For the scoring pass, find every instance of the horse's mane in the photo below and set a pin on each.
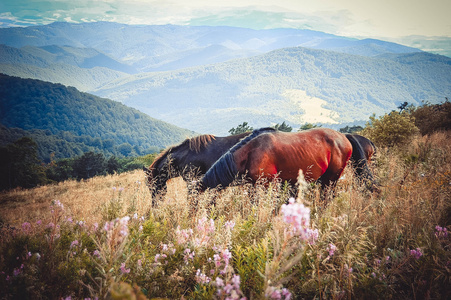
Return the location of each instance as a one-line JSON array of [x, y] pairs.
[[158, 158], [199, 142], [224, 170], [194, 144], [251, 136]]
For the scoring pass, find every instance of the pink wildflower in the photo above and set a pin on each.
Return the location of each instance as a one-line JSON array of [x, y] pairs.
[[26, 227], [312, 236], [298, 216], [222, 259], [416, 253], [332, 248], [58, 204], [157, 257], [50, 225], [229, 290], [229, 225], [441, 232], [74, 244], [123, 269], [183, 235], [275, 293], [188, 255], [204, 225], [201, 278], [219, 282]]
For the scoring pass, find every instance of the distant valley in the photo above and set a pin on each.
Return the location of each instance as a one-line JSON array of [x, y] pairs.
[[209, 79]]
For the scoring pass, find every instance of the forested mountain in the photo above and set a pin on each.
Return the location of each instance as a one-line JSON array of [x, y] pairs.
[[84, 68], [65, 117], [170, 47], [209, 79], [296, 85]]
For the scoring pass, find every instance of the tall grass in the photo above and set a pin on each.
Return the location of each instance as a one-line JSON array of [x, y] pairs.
[[101, 238]]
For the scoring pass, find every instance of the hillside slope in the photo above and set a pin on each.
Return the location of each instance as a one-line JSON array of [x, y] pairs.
[[32, 104], [86, 69], [297, 85], [169, 47]]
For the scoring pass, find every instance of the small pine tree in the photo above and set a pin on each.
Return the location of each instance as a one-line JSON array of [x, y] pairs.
[[242, 128], [283, 127], [308, 126]]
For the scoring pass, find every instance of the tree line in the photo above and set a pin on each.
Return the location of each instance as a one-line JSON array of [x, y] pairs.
[[21, 167]]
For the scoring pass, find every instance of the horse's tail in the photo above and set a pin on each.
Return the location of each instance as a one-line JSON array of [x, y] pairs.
[[359, 161], [224, 170]]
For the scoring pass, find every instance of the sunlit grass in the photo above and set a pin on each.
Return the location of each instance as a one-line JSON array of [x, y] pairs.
[[102, 238]]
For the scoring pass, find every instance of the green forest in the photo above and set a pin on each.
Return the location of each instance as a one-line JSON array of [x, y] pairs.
[[21, 167], [65, 122]]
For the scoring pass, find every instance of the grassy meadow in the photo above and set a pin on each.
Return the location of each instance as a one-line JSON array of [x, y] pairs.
[[101, 238]]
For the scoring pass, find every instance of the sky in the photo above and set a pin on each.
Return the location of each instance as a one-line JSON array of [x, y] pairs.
[[353, 18]]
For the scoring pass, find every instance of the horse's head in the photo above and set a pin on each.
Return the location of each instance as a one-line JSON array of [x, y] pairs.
[[158, 174]]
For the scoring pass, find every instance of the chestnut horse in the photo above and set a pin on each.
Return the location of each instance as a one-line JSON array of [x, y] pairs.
[[321, 153], [193, 156]]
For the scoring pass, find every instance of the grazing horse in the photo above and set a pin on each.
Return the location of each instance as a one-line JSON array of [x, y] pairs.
[[368, 147], [363, 151], [321, 153], [193, 156]]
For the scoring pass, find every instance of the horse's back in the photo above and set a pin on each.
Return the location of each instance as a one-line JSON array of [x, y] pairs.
[[315, 151]]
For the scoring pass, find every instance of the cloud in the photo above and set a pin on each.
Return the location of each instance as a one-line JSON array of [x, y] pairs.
[[344, 17]]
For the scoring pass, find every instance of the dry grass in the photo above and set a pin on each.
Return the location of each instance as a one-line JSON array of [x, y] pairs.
[[374, 233]]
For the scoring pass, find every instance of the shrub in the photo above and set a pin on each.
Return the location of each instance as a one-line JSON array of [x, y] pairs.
[[393, 129], [430, 118]]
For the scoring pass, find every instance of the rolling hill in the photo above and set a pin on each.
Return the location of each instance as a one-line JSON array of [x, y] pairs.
[[64, 114], [84, 68], [296, 85], [209, 79], [170, 47]]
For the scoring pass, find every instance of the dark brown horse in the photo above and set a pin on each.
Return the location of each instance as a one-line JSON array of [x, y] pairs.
[[368, 147], [362, 151], [192, 157], [321, 153]]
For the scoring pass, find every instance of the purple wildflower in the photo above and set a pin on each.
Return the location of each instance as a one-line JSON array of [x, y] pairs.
[[416, 253], [26, 227], [441, 232], [74, 244], [332, 248]]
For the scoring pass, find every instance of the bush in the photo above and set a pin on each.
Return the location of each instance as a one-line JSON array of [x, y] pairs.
[[430, 118], [393, 129]]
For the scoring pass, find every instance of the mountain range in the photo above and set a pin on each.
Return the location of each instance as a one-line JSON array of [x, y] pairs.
[[209, 79]]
